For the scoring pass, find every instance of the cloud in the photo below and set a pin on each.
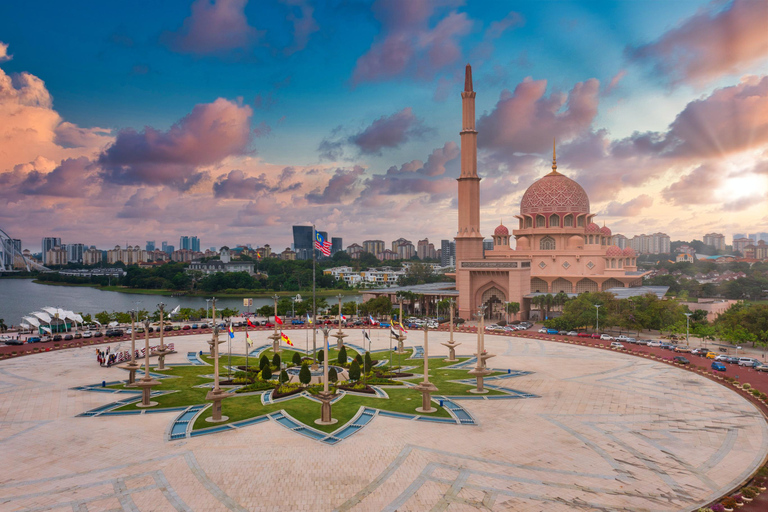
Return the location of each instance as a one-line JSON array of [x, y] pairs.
[[141, 205], [218, 28], [497, 28], [303, 25], [207, 135], [70, 179], [615, 81], [435, 165], [341, 185], [631, 208], [237, 185], [743, 203], [389, 132], [409, 45], [4, 55], [698, 187], [526, 120], [718, 40]]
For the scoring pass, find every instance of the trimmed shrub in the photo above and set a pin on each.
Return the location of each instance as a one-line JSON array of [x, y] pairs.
[[368, 362], [266, 372], [332, 375], [321, 355], [729, 502], [283, 377], [276, 361], [354, 371], [748, 492], [747, 385], [304, 374], [359, 359], [343, 355], [296, 358], [264, 361]]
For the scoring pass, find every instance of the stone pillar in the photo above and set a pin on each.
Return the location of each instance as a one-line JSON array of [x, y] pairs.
[[216, 395], [275, 336], [340, 334], [451, 344], [132, 366], [426, 387], [147, 382], [403, 336], [162, 352], [480, 371], [326, 396]]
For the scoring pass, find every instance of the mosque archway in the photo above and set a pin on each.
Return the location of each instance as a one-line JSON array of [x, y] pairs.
[[562, 285], [539, 285], [612, 283], [494, 300], [586, 285]]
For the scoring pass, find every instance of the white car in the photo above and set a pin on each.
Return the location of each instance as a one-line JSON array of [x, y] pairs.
[[616, 344], [573, 333], [87, 334], [654, 343], [128, 331], [606, 337], [543, 330], [722, 357]]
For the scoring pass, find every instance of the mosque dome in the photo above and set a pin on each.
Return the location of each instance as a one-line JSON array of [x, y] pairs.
[[593, 228], [554, 193], [605, 231], [614, 252], [629, 252], [501, 231], [523, 244]]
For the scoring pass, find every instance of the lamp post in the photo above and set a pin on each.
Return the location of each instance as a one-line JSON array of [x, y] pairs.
[[162, 352], [216, 395], [687, 319], [450, 343], [275, 337], [426, 387], [340, 334], [597, 317], [132, 366], [147, 382], [325, 396], [206, 308], [480, 371]]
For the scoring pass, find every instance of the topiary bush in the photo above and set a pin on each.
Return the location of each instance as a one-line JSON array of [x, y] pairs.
[[321, 356], [332, 375], [264, 361], [296, 359], [747, 385], [304, 374], [359, 359], [283, 377], [343, 355], [276, 361], [354, 370], [368, 362], [266, 372]]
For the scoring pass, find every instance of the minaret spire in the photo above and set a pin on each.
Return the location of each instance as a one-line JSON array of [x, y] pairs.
[[468, 79], [469, 240], [554, 157]]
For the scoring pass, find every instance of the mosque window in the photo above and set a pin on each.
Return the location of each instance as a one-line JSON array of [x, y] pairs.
[[566, 264], [541, 222], [547, 244], [568, 221], [590, 239], [590, 265], [528, 222], [605, 240], [554, 221], [581, 222], [542, 264]]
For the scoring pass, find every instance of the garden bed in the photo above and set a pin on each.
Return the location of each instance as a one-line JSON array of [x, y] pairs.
[[357, 389]]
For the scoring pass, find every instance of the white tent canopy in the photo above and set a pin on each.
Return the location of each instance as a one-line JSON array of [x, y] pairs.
[[42, 316], [32, 321]]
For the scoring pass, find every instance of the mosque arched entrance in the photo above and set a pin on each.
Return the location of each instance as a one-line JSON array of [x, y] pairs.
[[494, 301]]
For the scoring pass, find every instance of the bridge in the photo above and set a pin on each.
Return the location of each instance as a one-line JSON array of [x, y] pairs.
[[11, 257]]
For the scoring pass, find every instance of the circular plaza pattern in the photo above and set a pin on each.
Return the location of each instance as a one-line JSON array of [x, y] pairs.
[[595, 430]]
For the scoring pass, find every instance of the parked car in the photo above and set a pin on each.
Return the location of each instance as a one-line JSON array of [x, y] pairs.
[[643, 342], [595, 336], [98, 334], [205, 326], [573, 333], [552, 331], [608, 337], [186, 328], [543, 330], [682, 348], [33, 339], [666, 346], [653, 343], [710, 355], [583, 335], [68, 337], [297, 321], [722, 357], [630, 340], [195, 326], [385, 324], [716, 365], [175, 328], [268, 324], [167, 328], [87, 334], [732, 360], [57, 337], [621, 337], [78, 335], [748, 361], [700, 351], [616, 344], [761, 367], [681, 360]]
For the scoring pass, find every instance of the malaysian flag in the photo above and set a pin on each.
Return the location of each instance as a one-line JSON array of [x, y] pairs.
[[322, 244]]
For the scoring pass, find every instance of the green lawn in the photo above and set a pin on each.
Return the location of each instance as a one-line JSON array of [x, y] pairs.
[[237, 408]]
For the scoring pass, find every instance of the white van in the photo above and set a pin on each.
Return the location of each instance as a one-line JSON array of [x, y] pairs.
[[748, 361]]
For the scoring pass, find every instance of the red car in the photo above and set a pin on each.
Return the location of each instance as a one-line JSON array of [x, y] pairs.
[[595, 336], [583, 335], [186, 328], [268, 324]]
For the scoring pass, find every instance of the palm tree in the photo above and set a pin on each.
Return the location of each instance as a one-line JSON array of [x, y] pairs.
[[3, 327], [549, 301], [513, 308]]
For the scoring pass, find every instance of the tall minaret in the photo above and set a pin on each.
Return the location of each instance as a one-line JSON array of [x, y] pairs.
[[469, 241]]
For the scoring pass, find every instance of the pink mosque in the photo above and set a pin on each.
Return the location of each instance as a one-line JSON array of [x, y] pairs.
[[559, 247]]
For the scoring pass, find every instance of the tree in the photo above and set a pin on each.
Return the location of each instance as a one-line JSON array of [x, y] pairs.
[[296, 358], [3, 327], [305, 376], [321, 355], [266, 372], [265, 311], [283, 377], [343, 355], [103, 317], [513, 308], [359, 359], [332, 375], [276, 361], [368, 362], [264, 361], [354, 371]]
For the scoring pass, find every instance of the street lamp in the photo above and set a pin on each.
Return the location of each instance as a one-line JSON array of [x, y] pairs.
[[206, 308], [687, 320], [597, 317], [295, 299]]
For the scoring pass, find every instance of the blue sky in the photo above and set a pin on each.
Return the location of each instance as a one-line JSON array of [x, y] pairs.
[[297, 74]]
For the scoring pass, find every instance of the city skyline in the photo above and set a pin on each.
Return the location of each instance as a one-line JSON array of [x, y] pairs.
[[236, 120]]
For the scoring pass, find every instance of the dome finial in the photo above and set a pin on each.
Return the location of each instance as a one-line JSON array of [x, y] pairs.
[[554, 157]]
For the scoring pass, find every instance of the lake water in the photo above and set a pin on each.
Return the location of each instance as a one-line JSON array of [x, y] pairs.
[[19, 297]]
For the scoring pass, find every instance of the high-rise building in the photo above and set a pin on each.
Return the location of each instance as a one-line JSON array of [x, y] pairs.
[[373, 246], [49, 243], [396, 243], [425, 249], [150, 245], [164, 246], [406, 250], [756, 237], [740, 243], [447, 253], [92, 256], [657, 243], [184, 243], [56, 256], [355, 250], [337, 245], [75, 253], [302, 242], [169, 249], [716, 240], [195, 242]]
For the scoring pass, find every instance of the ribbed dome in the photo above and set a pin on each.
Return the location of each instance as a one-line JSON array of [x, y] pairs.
[[593, 228], [613, 252], [605, 231], [629, 252], [501, 231], [554, 193]]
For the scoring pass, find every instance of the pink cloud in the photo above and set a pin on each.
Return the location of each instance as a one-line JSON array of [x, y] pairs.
[[497, 28], [340, 186], [238, 185], [303, 25], [526, 120], [210, 133], [718, 40], [389, 132], [630, 208], [409, 42], [435, 165], [141, 205], [4, 55], [214, 28], [698, 187], [615, 81]]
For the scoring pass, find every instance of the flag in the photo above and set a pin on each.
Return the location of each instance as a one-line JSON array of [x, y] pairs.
[[400, 326], [248, 339], [344, 318], [249, 323], [286, 338], [373, 322], [231, 331], [278, 321], [394, 334], [309, 320], [322, 244], [366, 337], [258, 255]]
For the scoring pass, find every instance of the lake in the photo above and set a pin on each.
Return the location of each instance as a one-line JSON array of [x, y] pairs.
[[19, 297]]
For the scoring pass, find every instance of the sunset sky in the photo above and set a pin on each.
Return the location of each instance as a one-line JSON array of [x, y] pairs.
[[122, 122]]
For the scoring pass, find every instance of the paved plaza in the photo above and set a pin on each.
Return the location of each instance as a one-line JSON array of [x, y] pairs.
[[606, 431]]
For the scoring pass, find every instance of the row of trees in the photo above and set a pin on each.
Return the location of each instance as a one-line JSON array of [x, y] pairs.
[[751, 287]]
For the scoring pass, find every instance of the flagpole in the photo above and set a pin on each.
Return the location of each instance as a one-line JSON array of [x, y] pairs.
[[247, 349], [229, 344], [314, 304]]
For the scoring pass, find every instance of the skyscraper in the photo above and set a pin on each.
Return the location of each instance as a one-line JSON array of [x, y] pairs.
[[195, 241], [75, 253], [447, 253], [164, 246], [150, 245], [184, 242], [336, 245], [302, 242], [49, 243]]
